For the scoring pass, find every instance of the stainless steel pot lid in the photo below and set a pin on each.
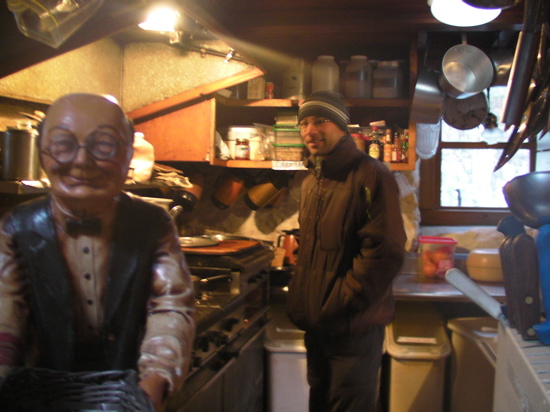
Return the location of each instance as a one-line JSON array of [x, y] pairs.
[[198, 241]]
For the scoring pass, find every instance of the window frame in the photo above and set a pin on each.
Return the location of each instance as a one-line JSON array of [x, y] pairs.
[[431, 211]]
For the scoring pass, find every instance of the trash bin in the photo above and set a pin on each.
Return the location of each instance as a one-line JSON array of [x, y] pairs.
[[417, 343], [473, 363], [287, 385]]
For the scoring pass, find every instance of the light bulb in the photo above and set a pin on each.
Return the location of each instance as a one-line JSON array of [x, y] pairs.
[[457, 13], [163, 19]]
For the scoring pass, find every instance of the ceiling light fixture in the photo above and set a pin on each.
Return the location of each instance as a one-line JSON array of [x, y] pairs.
[[162, 19], [457, 13]]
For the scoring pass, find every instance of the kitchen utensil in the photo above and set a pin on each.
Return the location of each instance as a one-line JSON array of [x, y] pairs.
[[525, 272], [201, 284], [517, 137], [511, 227], [528, 197], [477, 294], [225, 247], [524, 62], [502, 62], [197, 241], [465, 71], [492, 4], [465, 114], [427, 104]]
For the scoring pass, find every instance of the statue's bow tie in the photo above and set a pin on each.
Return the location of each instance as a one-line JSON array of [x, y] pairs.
[[88, 227]]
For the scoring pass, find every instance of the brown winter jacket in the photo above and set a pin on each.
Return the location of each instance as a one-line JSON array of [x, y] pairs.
[[351, 244]]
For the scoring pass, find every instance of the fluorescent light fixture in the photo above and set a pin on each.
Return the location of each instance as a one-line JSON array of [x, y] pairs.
[[163, 19], [457, 13]]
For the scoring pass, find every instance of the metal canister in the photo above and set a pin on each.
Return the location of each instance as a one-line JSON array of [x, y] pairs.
[[20, 160]]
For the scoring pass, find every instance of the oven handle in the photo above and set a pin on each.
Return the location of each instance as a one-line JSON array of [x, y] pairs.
[[231, 355]]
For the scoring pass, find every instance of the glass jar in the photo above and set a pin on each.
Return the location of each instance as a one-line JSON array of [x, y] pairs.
[[358, 78], [387, 80], [242, 149]]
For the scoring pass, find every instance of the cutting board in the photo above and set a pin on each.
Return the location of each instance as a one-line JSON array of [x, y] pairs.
[[225, 247]]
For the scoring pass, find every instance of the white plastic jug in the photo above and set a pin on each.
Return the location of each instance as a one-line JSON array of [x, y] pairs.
[[325, 74]]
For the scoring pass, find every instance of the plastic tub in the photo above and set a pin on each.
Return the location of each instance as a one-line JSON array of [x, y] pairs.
[[287, 385], [474, 342], [418, 344], [437, 255]]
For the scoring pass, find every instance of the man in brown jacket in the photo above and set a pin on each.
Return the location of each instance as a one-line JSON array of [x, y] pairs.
[[351, 247]]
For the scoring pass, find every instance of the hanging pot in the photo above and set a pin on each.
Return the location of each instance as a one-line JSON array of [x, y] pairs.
[[465, 114], [465, 71], [427, 103], [492, 4]]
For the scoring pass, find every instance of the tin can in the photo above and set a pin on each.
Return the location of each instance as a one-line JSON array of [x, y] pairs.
[[242, 149]]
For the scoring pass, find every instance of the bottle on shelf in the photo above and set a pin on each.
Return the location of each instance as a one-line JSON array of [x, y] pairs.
[[358, 78], [325, 74], [397, 147], [387, 146], [375, 148], [405, 147]]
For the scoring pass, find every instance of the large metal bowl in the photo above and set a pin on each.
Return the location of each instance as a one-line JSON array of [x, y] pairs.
[[466, 71], [528, 197]]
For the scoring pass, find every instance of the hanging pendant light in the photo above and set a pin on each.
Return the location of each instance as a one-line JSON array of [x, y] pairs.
[[458, 13]]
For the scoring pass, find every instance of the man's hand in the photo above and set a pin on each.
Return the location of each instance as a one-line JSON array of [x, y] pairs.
[[155, 386]]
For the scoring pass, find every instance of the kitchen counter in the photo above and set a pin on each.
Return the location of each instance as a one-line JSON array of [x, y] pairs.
[[408, 286]]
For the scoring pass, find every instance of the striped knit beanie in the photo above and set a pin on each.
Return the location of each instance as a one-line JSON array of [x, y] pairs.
[[326, 104]]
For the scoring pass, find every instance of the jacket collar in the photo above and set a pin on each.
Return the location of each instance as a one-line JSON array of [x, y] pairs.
[[344, 154]]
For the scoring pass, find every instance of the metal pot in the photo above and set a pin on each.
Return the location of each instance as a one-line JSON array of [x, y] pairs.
[[466, 71], [427, 104], [492, 4], [20, 158]]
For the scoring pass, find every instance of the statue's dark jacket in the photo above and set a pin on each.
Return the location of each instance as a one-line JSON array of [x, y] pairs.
[[137, 230]]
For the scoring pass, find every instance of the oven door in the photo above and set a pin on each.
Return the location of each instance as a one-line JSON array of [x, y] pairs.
[[239, 384]]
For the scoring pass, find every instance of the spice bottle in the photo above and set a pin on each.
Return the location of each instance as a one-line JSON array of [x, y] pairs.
[[396, 148], [387, 146]]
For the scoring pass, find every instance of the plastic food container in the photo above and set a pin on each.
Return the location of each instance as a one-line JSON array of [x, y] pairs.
[[289, 152], [437, 255], [484, 265]]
